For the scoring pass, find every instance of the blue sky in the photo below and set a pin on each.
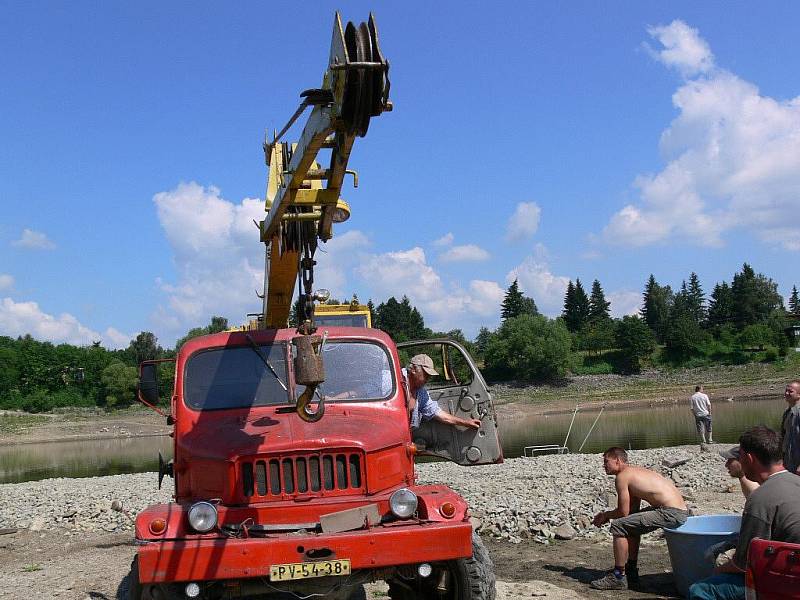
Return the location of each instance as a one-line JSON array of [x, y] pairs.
[[544, 141]]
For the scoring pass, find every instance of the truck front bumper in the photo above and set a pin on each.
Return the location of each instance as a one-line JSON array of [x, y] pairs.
[[204, 559]]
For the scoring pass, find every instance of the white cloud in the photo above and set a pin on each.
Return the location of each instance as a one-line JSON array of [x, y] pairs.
[[113, 338], [466, 253], [524, 222], [624, 302], [537, 281], [6, 282], [21, 318], [34, 240], [218, 258], [683, 48], [336, 259], [733, 162], [445, 240], [444, 306]]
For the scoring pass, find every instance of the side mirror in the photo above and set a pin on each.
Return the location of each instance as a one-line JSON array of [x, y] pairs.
[[148, 383], [148, 393]]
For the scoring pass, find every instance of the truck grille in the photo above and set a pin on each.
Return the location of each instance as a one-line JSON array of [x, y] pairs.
[[325, 473]]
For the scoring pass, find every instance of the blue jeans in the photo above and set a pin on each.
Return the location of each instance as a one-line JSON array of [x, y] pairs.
[[726, 586]]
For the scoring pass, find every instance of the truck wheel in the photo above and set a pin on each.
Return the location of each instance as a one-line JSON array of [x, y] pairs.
[[467, 579], [134, 587], [137, 591]]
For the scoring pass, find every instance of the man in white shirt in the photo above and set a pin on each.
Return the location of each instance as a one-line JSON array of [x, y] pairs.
[[701, 409]]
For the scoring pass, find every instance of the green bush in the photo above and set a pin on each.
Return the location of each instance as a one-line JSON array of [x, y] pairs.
[[756, 337], [44, 401], [11, 400], [596, 367], [636, 343], [531, 348]]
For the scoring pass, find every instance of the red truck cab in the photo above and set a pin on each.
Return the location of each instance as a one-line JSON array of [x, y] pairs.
[[266, 502]]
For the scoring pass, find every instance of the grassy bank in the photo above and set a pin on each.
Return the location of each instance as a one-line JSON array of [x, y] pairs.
[[656, 384]]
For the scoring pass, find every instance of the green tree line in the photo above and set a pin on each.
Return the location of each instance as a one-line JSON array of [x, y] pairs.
[[739, 321], [39, 376]]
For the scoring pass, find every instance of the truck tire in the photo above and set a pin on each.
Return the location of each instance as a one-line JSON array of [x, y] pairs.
[[137, 591], [134, 587], [470, 579]]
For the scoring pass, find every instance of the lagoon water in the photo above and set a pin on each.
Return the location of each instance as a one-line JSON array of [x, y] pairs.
[[639, 428], [643, 427]]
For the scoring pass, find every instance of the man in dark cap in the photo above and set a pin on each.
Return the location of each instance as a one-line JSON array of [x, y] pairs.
[[731, 456]]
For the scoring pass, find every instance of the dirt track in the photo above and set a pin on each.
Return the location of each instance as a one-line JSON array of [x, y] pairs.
[[40, 565]]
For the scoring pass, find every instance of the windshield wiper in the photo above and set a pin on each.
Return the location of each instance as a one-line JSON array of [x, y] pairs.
[[264, 358]]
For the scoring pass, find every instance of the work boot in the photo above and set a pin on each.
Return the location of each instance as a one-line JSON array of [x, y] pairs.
[[610, 582], [632, 573]]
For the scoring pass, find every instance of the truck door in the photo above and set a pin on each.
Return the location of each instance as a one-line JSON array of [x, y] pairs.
[[460, 390]]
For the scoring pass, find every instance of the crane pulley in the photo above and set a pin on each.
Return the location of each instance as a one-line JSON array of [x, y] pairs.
[[303, 198]]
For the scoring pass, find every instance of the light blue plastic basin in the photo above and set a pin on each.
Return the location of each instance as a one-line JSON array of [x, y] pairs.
[[688, 543]]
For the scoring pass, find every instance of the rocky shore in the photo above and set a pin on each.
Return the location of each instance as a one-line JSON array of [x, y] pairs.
[[533, 499]]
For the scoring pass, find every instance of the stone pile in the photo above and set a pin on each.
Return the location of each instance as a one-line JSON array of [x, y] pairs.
[[555, 497], [542, 498]]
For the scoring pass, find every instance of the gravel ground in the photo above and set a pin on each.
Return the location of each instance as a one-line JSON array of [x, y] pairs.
[[70, 541], [523, 497]]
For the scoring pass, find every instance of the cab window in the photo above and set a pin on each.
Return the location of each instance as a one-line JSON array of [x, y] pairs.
[[355, 370], [236, 378]]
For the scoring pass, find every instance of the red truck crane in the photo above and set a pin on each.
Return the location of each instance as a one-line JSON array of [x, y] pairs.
[[294, 461]]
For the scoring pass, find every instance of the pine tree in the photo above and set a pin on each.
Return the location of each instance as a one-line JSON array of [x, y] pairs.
[[696, 299], [576, 307], [755, 297], [512, 302], [569, 303], [400, 320], [656, 301], [794, 303], [720, 306], [599, 307]]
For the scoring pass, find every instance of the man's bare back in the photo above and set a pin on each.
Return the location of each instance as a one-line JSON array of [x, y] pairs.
[[629, 521], [644, 484]]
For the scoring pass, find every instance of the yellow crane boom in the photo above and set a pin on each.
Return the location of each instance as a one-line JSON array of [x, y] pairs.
[[303, 198]]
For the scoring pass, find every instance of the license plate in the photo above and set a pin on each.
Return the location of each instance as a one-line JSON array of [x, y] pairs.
[[323, 568]]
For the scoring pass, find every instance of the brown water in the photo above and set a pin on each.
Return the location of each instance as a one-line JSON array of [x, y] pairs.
[[81, 458], [638, 428]]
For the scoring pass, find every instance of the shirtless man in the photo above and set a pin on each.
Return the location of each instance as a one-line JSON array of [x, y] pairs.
[[629, 521]]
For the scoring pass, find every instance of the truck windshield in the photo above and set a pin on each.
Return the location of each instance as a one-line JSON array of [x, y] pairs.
[[235, 378], [355, 371]]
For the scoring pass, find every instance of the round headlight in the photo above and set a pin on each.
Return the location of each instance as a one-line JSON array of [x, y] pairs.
[[403, 503], [203, 517]]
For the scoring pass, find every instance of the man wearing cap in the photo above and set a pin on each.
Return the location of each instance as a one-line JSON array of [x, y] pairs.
[[734, 467], [772, 512], [421, 407], [723, 551]]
